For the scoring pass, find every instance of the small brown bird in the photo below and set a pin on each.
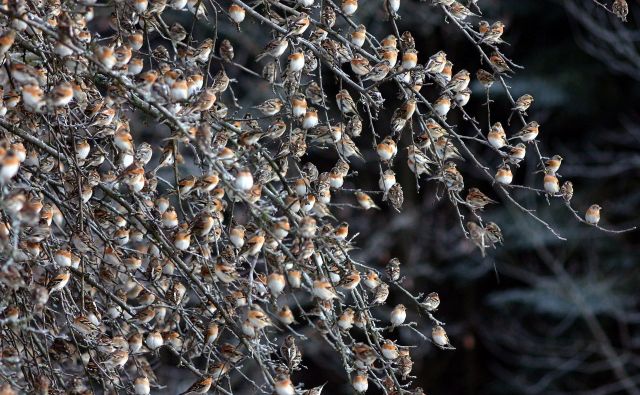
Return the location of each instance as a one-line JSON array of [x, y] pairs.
[[237, 14], [431, 301], [523, 103], [553, 165], [528, 133], [199, 387], [349, 7], [592, 215], [499, 64], [567, 191], [621, 9], [398, 316], [478, 200], [485, 78], [551, 183], [504, 175], [496, 136], [360, 382], [359, 35], [436, 63], [440, 337]]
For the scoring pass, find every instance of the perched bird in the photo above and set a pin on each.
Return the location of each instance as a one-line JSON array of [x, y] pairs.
[[496, 136], [551, 183], [592, 216], [460, 81], [387, 149], [349, 7], [365, 201], [398, 315], [283, 385], [485, 78], [440, 337], [499, 64], [567, 191], [621, 9], [199, 387], [528, 133], [436, 63], [493, 233], [360, 382], [493, 34], [504, 175], [345, 102], [523, 103], [552, 165], [298, 24], [237, 14], [274, 48], [378, 72], [431, 301], [359, 35], [460, 12], [442, 106], [478, 200], [270, 107], [517, 153]]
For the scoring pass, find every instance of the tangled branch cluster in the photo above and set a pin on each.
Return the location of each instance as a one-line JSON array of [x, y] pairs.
[[226, 242]]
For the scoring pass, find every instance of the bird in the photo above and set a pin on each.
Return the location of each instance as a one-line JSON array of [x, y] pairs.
[[365, 201], [478, 200], [440, 337], [298, 24], [58, 282], [389, 350], [345, 102], [496, 136], [461, 98], [436, 63], [283, 385], [621, 9], [442, 106], [460, 81], [347, 148], [360, 65], [359, 35], [199, 387], [493, 35], [460, 12], [566, 190], [323, 290], [551, 183], [504, 175], [237, 14], [592, 216], [523, 103], [349, 7], [398, 316], [270, 107], [360, 382], [499, 64], [387, 149], [275, 48], [517, 153], [553, 164], [485, 78], [378, 72], [493, 233], [431, 301], [528, 133]]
